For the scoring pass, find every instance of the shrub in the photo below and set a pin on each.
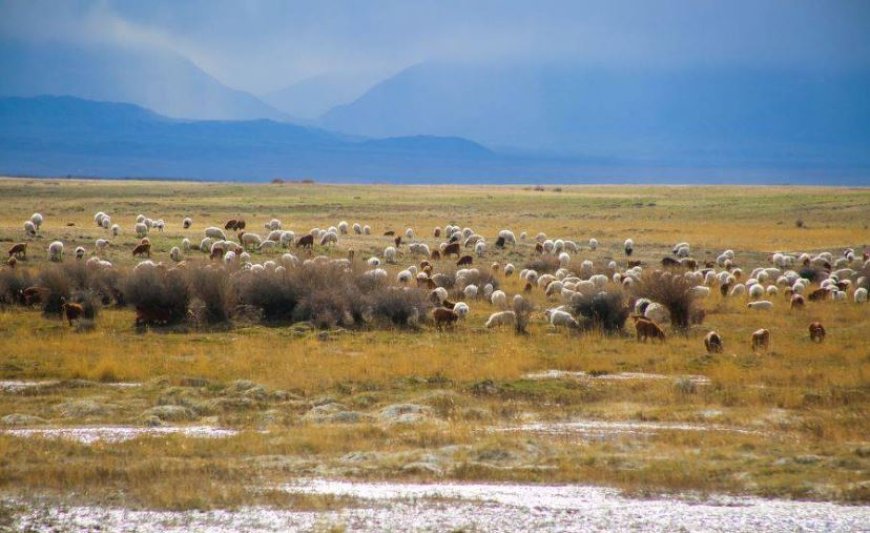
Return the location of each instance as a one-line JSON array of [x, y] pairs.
[[398, 306], [606, 310], [270, 292], [55, 278], [213, 290], [12, 281], [544, 264], [159, 293], [671, 291], [523, 309]]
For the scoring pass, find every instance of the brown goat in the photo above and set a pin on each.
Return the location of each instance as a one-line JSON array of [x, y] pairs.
[[646, 329], [435, 255], [817, 332], [797, 301], [444, 317], [713, 342], [761, 339], [465, 260], [71, 311], [142, 249], [454, 248], [305, 242], [19, 250]]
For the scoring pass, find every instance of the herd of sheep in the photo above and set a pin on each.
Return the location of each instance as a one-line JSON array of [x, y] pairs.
[[835, 276]]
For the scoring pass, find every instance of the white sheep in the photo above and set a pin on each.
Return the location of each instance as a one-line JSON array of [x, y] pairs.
[[461, 309], [107, 222], [438, 294], [98, 218], [772, 290], [116, 230], [541, 237], [480, 248], [287, 238], [187, 222], [699, 292], [342, 227], [273, 224], [564, 259], [185, 244], [737, 290], [593, 243], [409, 233], [501, 318], [216, 233], [367, 229], [289, 260], [628, 245], [756, 291], [390, 254], [329, 238], [140, 218], [499, 299], [101, 245], [141, 229], [760, 305], [267, 246], [205, 244], [80, 252], [405, 276], [657, 313], [509, 269], [37, 220], [860, 295], [274, 235], [175, 254], [507, 236], [374, 262], [357, 228], [55, 251], [29, 228], [419, 248], [470, 291], [524, 236], [558, 317], [250, 240]]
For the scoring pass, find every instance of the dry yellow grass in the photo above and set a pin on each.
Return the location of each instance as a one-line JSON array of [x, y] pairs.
[[806, 400]]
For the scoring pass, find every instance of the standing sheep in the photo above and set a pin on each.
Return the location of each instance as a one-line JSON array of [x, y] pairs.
[[629, 247], [501, 318], [37, 220], [175, 254], [713, 342], [141, 229], [761, 340], [187, 223], [55, 251], [116, 230]]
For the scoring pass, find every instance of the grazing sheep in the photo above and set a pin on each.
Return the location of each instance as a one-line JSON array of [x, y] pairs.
[[507, 236], [593, 243], [390, 254], [357, 228], [480, 249], [444, 317], [329, 238], [405, 276], [30, 229], [187, 223], [98, 218], [71, 311], [461, 309], [373, 262], [465, 260], [116, 230], [206, 244], [18, 250], [80, 252], [55, 251], [451, 249], [273, 224], [185, 244], [564, 259], [629, 247], [342, 227], [306, 241], [860, 295], [509, 269], [713, 342], [216, 233], [418, 248], [761, 305], [142, 249], [756, 291], [438, 295], [797, 301], [558, 317], [656, 312], [367, 229], [501, 318], [409, 233], [140, 218], [499, 299], [107, 222], [37, 220], [250, 240], [817, 332], [470, 291], [737, 290], [647, 329], [761, 340], [141, 229], [175, 254]]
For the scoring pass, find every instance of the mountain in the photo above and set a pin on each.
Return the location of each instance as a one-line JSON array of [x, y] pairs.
[[156, 79], [312, 97], [65, 135], [700, 116]]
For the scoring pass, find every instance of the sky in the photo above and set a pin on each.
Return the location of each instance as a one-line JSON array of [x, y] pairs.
[[263, 46]]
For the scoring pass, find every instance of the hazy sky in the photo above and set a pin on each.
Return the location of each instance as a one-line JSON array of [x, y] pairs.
[[261, 46]]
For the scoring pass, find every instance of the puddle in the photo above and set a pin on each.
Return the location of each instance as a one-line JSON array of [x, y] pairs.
[[619, 376], [603, 429], [90, 435], [476, 507]]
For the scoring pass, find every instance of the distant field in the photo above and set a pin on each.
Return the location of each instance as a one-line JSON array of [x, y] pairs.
[[421, 404]]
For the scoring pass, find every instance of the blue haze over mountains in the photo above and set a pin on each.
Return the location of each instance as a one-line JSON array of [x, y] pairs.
[[144, 107]]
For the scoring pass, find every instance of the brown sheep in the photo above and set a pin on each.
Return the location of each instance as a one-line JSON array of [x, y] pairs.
[[761, 339], [435, 256], [444, 317], [528, 287], [697, 316], [632, 264], [426, 284], [724, 289], [389, 233], [713, 342], [499, 243], [142, 249], [452, 249], [398, 241], [19, 250], [71, 311], [437, 233], [305, 242], [818, 294], [797, 301], [217, 253], [447, 304], [539, 248], [668, 262], [465, 260], [817, 332], [646, 328], [33, 295], [11, 262], [424, 263]]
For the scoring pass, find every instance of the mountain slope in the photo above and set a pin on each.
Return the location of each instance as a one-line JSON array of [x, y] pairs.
[[312, 97], [158, 80], [707, 116], [66, 135]]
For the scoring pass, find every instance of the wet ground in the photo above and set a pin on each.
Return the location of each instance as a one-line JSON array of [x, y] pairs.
[[476, 507]]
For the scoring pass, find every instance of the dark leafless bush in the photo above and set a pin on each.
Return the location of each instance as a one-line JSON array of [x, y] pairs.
[[398, 306], [12, 281], [55, 278], [671, 291], [213, 290], [544, 264], [605, 310], [158, 293], [271, 292]]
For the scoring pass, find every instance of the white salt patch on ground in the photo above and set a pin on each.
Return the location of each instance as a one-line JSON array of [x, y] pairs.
[[477, 507], [18, 386], [601, 429], [620, 376], [90, 435]]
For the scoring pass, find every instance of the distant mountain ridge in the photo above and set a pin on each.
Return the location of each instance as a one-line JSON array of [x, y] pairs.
[[701, 115], [156, 79]]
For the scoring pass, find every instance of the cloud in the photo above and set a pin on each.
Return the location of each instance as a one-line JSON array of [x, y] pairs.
[[266, 44]]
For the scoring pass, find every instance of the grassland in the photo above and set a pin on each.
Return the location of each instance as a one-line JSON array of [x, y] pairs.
[[803, 408]]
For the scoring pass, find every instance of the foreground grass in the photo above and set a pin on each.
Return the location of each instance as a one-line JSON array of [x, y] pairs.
[[804, 406]]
